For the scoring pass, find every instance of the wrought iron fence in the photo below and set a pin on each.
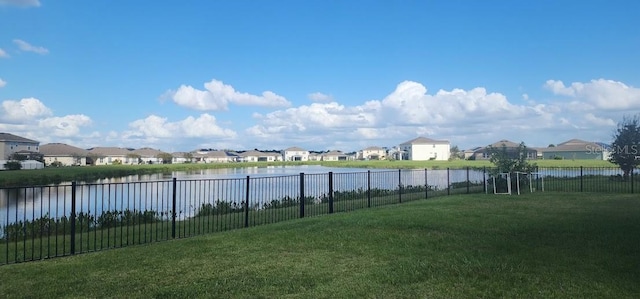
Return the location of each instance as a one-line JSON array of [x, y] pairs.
[[40, 222]]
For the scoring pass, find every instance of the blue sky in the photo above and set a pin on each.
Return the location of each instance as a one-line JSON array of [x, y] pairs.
[[183, 75]]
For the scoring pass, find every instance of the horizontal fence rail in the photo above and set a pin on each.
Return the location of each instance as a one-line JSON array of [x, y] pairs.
[[41, 222]]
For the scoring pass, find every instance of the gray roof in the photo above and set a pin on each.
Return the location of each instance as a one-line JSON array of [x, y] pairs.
[[505, 143], [61, 149], [575, 145], [334, 153], [295, 149], [146, 152], [373, 148], [425, 140], [10, 137], [110, 151], [254, 153]]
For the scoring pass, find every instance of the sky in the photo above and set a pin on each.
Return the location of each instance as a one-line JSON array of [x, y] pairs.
[[317, 74]]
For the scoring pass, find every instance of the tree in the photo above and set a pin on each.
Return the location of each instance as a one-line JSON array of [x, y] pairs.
[[454, 153], [626, 145], [188, 157], [165, 157], [510, 160]]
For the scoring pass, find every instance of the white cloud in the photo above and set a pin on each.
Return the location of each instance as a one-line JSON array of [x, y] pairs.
[[320, 97], [2, 83], [217, 96], [22, 3], [598, 94], [599, 121], [65, 126], [26, 47], [23, 110], [154, 128], [3, 54]]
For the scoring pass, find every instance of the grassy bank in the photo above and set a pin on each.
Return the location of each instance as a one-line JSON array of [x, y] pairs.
[[91, 173], [465, 246]]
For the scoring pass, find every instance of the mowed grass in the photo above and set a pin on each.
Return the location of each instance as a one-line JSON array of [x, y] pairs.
[[551, 245]]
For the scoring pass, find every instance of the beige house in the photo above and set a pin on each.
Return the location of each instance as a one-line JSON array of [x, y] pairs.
[[423, 149], [315, 157], [214, 157], [64, 154], [295, 154], [334, 156], [258, 156], [182, 157], [147, 156], [11, 144], [111, 155], [372, 153]]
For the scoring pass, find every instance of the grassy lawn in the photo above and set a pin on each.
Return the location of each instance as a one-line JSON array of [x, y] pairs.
[[559, 245]]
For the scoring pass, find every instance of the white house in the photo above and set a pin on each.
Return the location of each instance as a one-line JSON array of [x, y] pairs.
[[334, 156], [423, 149], [64, 154], [111, 155], [258, 156], [372, 153], [295, 154]]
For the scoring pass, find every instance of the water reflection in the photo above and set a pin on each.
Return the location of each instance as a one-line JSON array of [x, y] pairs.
[[154, 192]]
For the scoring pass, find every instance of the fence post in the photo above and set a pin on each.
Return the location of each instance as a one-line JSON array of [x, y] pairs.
[[173, 208], [330, 192], [426, 185], [632, 180], [484, 179], [368, 188], [400, 185], [246, 204], [73, 218], [302, 195], [448, 182], [581, 179], [468, 182]]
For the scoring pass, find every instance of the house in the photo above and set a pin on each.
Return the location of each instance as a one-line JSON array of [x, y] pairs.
[[181, 157], [470, 152], [63, 154], [295, 154], [484, 153], [147, 156], [334, 156], [314, 156], [258, 156], [214, 157], [111, 155], [576, 149], [422, 149], [372, 153], [12, 144]]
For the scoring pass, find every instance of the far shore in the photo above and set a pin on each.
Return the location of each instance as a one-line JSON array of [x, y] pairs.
[[53, 175]]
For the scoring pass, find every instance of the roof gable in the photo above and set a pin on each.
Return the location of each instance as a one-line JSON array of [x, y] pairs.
[[61, 149], [425, 140], [8, 137]]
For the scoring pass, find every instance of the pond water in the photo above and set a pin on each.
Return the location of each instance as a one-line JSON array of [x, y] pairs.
[[194, 188]]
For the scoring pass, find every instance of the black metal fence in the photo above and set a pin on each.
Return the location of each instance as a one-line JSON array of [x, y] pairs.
[[40, 222]]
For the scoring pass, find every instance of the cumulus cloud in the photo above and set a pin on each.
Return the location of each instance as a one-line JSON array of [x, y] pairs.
[[23, 110], [155, 127], [65, 126], [3, 54], [598, 94], [26, 47], [320, 97], [217, 96], [2, 83], [21, 3]]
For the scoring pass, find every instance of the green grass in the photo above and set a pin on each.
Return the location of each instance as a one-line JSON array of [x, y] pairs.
[[551, 245]]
